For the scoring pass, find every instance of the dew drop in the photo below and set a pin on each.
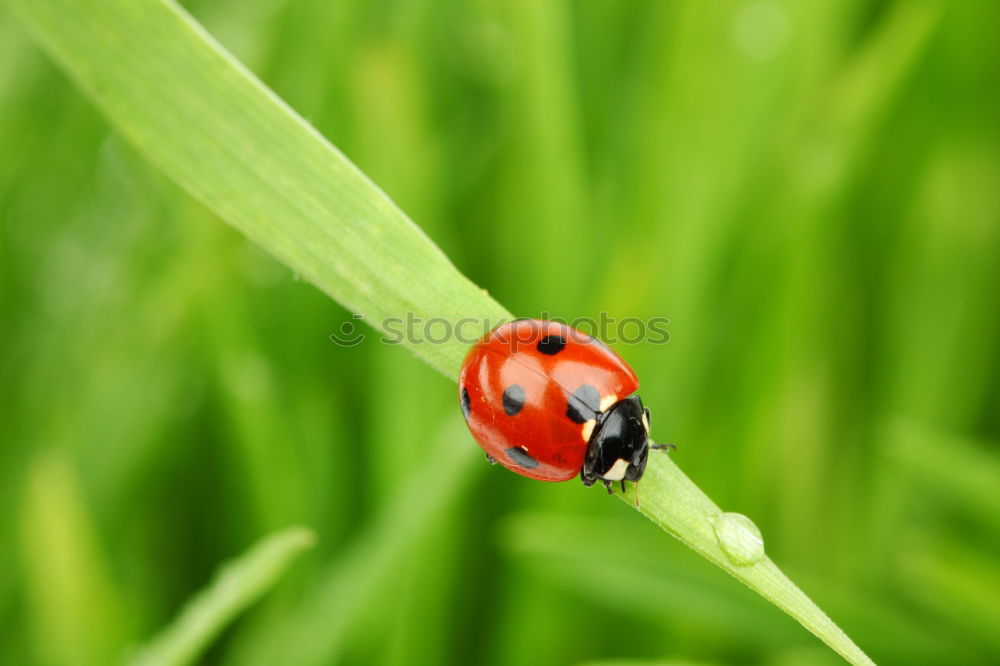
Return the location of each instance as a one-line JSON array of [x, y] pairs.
[[739, 538]]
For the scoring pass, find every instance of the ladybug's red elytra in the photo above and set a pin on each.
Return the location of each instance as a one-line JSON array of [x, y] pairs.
[[549, 402]]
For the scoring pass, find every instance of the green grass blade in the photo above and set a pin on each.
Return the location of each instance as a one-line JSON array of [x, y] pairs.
[[229, 141], [315, 632], [208, 123], [672, 501], [237, 585], [70, 592]]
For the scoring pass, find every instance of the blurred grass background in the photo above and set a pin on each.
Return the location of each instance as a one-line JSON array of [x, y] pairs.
[[810, 193]]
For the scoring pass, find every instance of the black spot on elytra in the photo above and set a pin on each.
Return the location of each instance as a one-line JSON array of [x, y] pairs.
[[521, 458], [466, 407], [513, 399], [551, 344], [583, 404]]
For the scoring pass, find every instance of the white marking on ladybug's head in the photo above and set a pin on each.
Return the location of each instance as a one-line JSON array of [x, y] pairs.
[[645, 422], [588, 429], [617, 471], [607, 401]]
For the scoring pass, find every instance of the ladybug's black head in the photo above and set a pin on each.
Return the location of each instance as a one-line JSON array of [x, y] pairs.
[[618, 447]]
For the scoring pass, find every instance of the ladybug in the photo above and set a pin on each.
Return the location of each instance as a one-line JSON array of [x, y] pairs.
[[549, 402]]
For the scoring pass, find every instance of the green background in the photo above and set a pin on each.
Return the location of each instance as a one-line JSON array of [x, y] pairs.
[[810, 192]]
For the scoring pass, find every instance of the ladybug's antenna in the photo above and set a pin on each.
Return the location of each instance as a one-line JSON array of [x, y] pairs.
[[669, 446]]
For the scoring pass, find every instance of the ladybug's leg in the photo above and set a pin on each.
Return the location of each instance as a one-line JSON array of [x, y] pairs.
[[623, 485], [490, 459], [669, 446], [607, 485]]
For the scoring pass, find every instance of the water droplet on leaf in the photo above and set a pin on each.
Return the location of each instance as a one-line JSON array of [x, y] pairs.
[[739, 538]]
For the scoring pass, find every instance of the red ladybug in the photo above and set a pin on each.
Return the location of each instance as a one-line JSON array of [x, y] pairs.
[[550, 402]]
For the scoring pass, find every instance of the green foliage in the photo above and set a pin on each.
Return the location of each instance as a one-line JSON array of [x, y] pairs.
[[194, 111], [322, 218], [237, 585], [808, 195]]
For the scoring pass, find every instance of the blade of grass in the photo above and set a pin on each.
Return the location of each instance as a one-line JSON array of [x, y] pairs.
[[75, 609], [559, 550], [237, 585], [230, 142], [672, 501], [214, 128], [318, 629]]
